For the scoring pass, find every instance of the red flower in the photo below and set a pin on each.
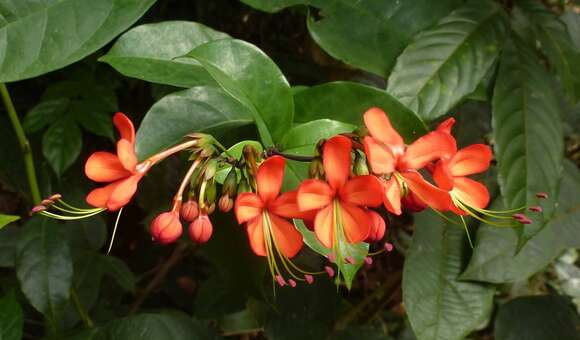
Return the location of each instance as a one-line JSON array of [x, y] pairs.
[[339, 202], [389, 156], [122, 169]]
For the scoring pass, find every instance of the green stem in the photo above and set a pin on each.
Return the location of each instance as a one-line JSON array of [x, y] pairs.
[[24, 144], [81, 309]]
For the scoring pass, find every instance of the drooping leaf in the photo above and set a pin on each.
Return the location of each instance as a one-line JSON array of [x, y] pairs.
[[440, 306], [37, 37], [527, 132], [11, 318], [62, 144], [7, 219], [152, 52], [273, 6]]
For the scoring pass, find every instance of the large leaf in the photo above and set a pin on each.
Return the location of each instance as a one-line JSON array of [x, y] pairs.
[[447, 62], [40, 36], [248, 75], [62, 144], [494, 258], [201, 108], [151, 52], [43, 265], [11, 318], [440, 306], [527, 132], [371, 34], [346, 102]]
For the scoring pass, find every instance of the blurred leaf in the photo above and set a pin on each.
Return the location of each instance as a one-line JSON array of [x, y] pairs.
[[86, 234], [44, 114], [362, 332], [494, 258], [572, 22], [272, 6], [537, 318], [11, 318], [8, 238], [239, 323], [43, 265], [40, 36], [199, 109], [446, 63], [7, 219], [253, 79], [527, 133], [62, 144], [151, 52], [440, 306]]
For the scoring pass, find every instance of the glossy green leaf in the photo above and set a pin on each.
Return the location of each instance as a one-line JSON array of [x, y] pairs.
[[446, 63], [527, 133], [440, 306], [346, 102], [62, 144], [199, 109], [11, 318], [371, 34], [273, 6], [43, 265], [235, 151], [252, 78], [37, 37], [7, 219], [494, 257], [152, 52]]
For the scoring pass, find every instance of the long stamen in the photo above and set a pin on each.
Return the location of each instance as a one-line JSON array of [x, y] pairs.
[[114, 231], [179, 195], [467, 232], [166, 153]]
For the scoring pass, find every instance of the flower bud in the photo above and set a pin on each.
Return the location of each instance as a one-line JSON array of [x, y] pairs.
[[378, 227], [230, 185], [201, 229], [225, 203], [166, 227], [189, 211], [413, 203], [360, 165]]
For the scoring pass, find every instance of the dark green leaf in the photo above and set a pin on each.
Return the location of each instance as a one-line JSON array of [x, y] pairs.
[[86, 234], [11, 318], [90, 114], [7, 219], [440, 306], [40, 36], [239, 323], [119, 272], [273, 6], [572, 22], [151, 52], [62, 144], [8, 238], [44, 114], [446, 63]]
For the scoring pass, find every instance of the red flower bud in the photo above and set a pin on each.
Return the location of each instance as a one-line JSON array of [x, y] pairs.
[[201, 229], [413, 203], [166, 228], [189, 211], [378, 227], [225, 203]]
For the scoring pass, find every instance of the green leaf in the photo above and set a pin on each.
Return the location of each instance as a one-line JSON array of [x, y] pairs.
[[235, 151], [572, 22], [537, 317], [152, 53], [37, 37], [252, 78], [272, 6], [527, 133], [90, 114], [7, 219], [446, 63], [44, 114], [11, 318], [62, 144], [346, 102], [43, 265], [201, 108], [86, 234], [494, 257], [119, 272], [440, 306], [382, 31], [8, 238]]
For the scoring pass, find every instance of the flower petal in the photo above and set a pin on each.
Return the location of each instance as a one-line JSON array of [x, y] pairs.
[[433, 146], [286, 205], [269, 178], [126, 154], [355, 222], [125, 127], [105, 167], [392, 196], [123, 193], [471, 192], [255, 230], [380, 127], [470, 160], [100, 196], [324, 226], [442, 176], [288, 240], [362, 190], [248, 206], [446, 125], [314, 194], [378, 227], [432, 196], [336, 160], [379, 156]]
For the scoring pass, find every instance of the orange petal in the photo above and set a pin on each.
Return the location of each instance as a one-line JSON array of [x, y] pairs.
[[355, 222], [123, 193], [248, 206], [105, 167], [269, 178], [442, 176], [286, 205], [379, 156], [446, 125], [100, 196], [362, 190], [126, 154], [392, 196], [336, 160], [432, 196], [380, 127], [324, 226], [287, 238], [255, 231], [471, 192], [378, 226], [471, 160], [431, 147], [314, 194], [125, 127]]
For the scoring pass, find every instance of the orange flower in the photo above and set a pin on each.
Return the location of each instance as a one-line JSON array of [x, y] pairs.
[[389, 156], [121, 170], [339, 202]]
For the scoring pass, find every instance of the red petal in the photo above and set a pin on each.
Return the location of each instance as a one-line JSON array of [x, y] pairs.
[[324, 226], [471, 160], [362, 190], [432, 196], [471, 192], [314, 194], [392, 196], [442, 176], [123, 193], [126, 154], [255, 231], [269, 178], [287, 238], [446, 125], [105, 167], [355, 223], [336, 160], [248, 206], [379, 156], [380, 127], [100, 196], [432, 146], [125, 127], [286, 205]]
